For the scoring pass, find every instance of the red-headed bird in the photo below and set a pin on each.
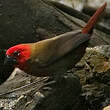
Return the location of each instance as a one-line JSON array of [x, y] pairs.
[[52, 56]]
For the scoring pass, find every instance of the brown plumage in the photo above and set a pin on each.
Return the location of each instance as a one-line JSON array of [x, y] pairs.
[[55, 55]]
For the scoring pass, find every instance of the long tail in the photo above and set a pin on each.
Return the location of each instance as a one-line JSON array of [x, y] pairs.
[[89, 26]]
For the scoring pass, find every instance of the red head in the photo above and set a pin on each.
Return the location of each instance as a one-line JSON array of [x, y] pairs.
[[19, 53]]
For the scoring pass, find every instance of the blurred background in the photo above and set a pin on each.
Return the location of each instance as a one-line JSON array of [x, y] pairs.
[[88, 7]]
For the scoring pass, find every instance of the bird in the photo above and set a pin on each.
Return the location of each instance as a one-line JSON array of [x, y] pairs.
[[53, 56]]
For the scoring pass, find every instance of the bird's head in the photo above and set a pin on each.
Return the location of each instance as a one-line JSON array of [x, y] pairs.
[[18, 55]]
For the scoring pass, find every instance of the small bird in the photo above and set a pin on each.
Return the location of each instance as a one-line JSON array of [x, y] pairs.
[[52, 56]]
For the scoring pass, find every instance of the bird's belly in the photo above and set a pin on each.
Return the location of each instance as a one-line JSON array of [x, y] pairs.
[[58, 67]]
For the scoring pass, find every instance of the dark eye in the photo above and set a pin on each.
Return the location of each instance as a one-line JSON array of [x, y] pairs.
[[16, 53]]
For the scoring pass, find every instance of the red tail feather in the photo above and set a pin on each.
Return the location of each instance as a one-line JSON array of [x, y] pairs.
[[93, 19]]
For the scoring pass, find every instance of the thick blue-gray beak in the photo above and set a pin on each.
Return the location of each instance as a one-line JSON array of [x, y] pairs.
[[10, 60], [7, 68]]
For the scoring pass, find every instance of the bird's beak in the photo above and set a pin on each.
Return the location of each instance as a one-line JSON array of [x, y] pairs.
[[7, 68], [10, 61]]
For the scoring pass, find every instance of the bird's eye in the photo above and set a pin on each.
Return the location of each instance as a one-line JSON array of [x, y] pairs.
[[16, 53]]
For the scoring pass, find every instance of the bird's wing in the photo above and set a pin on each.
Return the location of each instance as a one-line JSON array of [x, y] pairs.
[[50, 50]]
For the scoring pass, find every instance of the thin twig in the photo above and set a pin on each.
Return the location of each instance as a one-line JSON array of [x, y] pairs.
[[17, 89]]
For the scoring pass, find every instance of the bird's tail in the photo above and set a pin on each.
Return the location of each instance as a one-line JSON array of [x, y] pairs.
[[89, 26]]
